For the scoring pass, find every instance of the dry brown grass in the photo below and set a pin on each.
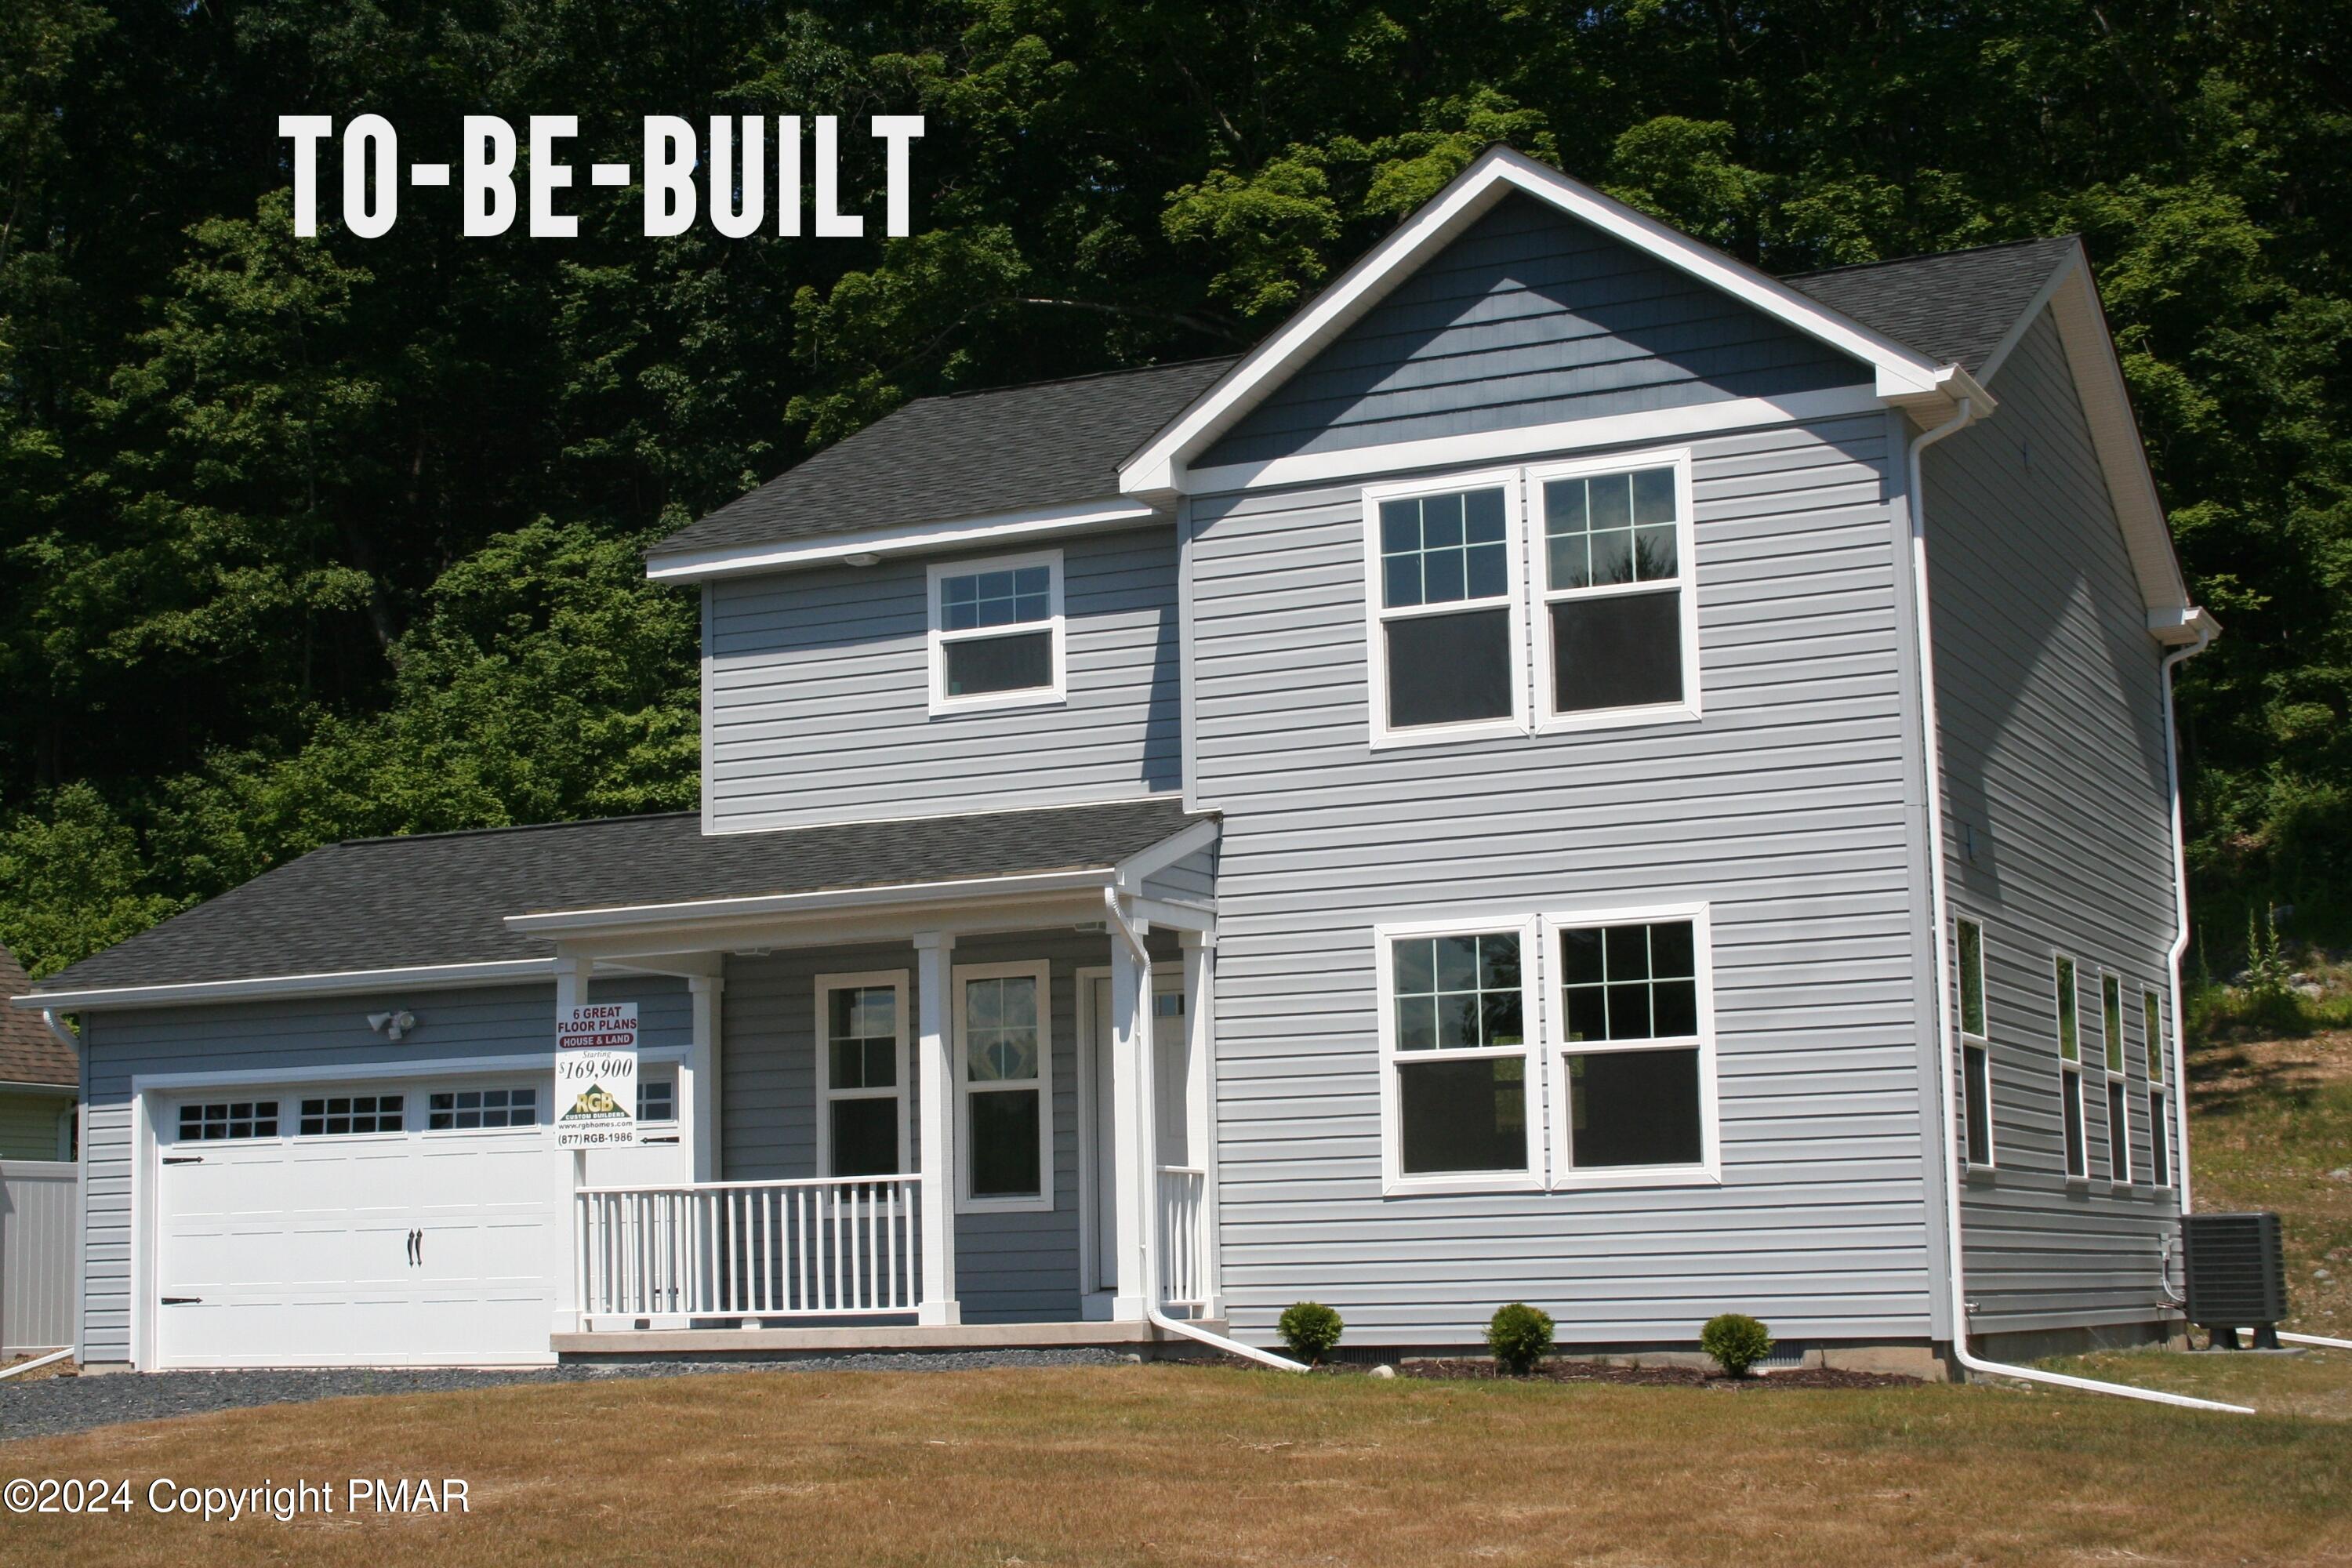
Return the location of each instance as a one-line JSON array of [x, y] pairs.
[[2272, 1130], [1179, 1465]]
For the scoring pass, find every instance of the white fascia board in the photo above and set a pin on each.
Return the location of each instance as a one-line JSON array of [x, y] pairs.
[[700, 565], [1538, 440], [1144, 864], [61, 1091], [2115, 436], [1158, 469], [341, 982], [700, 912]]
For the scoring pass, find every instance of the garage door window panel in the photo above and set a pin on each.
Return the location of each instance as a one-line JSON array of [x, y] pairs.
[[335, 1116], [214, 1120], [470, 1110]]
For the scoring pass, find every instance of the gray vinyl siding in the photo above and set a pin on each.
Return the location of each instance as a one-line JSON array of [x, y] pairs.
[[2050, 698], [28, 1122], [1784, 809], [264, 1036], [815, 705], [1009, 1267], [1529, 318], [1194, 877]]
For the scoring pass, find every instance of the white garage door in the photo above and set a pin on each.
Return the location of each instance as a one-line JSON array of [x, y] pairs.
[[383, 1226]]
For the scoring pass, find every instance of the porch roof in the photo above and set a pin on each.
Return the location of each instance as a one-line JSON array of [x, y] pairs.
[[439, 902]]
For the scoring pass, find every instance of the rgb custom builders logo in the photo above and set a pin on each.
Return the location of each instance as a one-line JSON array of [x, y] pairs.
[[597, 1077], [737, 182]]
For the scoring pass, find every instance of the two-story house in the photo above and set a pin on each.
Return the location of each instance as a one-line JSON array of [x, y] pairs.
[[1574, 772]]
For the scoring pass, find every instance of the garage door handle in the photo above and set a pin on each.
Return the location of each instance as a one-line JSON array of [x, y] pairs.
[[184, 1301], [415, 1247], [184, 1159]]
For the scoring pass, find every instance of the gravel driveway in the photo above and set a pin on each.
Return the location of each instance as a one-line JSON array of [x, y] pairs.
[[55, 1406]]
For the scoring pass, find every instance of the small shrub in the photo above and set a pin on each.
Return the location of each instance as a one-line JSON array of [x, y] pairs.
[[1737, 1342], [1520, 1336], [1310, 1329]]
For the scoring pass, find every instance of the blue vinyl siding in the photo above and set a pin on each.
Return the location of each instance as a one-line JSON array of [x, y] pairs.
[[1530, 318], [816, 707]]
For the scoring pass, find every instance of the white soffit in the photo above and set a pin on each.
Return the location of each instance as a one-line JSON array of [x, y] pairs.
[[1902, 375]]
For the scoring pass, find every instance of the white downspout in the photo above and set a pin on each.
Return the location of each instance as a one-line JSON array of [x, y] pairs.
[[1940, 912], [1148, 1236]]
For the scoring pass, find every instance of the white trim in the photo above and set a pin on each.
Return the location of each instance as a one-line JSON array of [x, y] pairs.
[[2118, 1048], [2119, 1097], [1090, 1282], [1542, 595], [1902, 373], [1558, 1048], [334, 982], [2072, 985], [1980, 1041], [1377, 614], [1395, 1182], [59, 1090], [1152, 859], [1042, 1202], [731, 561], [1538, 440], [935, 638], [896, 982]]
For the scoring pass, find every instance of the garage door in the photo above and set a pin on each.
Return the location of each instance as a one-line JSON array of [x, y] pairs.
[[360, 1228]]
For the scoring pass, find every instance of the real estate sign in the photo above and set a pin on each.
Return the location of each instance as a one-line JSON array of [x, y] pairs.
[[597, 1077]]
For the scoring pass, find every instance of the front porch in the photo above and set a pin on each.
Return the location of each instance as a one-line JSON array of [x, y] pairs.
[[928, 1117]]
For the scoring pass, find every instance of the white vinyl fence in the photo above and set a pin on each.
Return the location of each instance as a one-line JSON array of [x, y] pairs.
[[40, 1203]]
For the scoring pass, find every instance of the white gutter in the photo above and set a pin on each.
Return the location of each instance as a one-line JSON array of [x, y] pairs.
[[622, 918], [1939, 910], [1147, 1237], [347, 981]]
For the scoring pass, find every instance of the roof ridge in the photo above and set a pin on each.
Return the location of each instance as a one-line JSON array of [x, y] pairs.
[[1929, 256], [1082, 375], [509, 828]]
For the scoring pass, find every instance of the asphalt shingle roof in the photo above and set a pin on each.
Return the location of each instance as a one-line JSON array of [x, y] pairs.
[[394, 903], [29, 1053], [970, 454], [1954, 307]]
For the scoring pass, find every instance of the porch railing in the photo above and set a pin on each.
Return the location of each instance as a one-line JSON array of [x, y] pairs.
[[747, 1251], [1184, 1236]]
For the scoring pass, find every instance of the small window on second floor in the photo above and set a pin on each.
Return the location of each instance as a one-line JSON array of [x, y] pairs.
[[996, 634], [1445, 637], [1615, 592]]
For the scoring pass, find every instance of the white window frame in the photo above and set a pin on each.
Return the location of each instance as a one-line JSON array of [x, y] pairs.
[[2071, 1109], [1394, 1182], [937, 637], [1543, 595], [1377, 616], [2160, 1091], [2115, 1063], [1043, 1201], [1558, 1047], [1981, 1042], [543, 1110], [895, 981]]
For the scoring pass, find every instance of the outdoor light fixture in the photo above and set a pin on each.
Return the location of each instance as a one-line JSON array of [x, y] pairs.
[[391, 1026], [863, 558]]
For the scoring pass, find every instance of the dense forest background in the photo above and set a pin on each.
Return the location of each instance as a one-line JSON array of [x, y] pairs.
[[308, 538]]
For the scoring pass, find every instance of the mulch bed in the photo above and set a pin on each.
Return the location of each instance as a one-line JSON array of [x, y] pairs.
[[1659, 1376], [1469, 1369]]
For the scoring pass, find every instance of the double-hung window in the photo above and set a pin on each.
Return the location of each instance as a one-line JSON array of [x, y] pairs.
[[1620, 619], [1457, 1098], [1976, 1047], [1004, 1056], [996, 632], [1446, 632], [1634, 1041], [2070, 1066], [2111, 1027], [861, 1073], [2159, 1131]]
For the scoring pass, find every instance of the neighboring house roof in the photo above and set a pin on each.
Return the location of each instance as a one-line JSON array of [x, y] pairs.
[[30, 1051], [437, 899], [1045, 445], [1956, 307]]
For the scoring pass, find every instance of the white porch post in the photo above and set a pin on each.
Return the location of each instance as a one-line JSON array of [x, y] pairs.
[[1134, 1181], [699, 1084], [935, 1097], [571, 974], [1200, 1100]]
